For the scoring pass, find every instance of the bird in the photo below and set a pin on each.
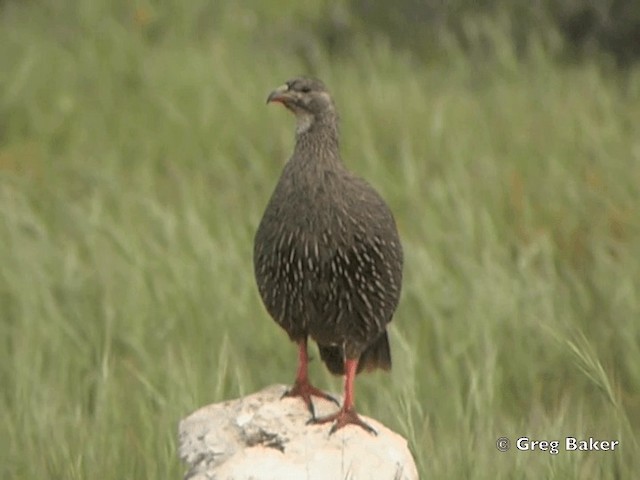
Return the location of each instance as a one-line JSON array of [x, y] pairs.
[[327, 255]]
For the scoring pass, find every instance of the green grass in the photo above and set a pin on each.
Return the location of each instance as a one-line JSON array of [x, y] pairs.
[[137, 155]]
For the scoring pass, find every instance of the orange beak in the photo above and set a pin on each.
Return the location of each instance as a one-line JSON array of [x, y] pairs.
[[280, 94]]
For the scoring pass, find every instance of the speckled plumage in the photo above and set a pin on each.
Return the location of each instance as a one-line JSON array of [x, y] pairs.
[[327, 256]]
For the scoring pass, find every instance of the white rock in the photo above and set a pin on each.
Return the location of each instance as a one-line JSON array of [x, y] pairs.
[[265, 437]]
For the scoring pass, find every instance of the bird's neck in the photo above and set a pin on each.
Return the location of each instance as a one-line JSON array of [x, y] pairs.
[[317, 140]]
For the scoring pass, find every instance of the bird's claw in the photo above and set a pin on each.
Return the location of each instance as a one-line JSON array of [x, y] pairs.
[[305, 391], [341, 419]]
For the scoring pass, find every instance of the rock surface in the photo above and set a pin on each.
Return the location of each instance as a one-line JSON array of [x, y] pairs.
[[265, 437]]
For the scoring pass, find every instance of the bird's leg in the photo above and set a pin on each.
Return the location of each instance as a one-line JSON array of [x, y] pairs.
[[347, 414], [302, 387]]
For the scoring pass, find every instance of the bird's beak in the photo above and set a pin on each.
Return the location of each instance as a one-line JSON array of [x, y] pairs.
[[280, 94]]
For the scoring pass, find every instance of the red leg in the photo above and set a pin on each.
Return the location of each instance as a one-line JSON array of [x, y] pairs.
[[347, 414], [302, 387]]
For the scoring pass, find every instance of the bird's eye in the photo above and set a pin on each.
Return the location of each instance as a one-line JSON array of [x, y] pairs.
[[305, 89]]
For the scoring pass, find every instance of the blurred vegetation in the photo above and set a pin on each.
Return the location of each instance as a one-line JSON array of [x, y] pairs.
[[427, 27], [136, 157]]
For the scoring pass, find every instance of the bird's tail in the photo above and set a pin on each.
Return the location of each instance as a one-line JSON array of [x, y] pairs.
[[377, 355]]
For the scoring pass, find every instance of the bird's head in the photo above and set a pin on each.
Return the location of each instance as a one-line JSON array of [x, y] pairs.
[[307, 98]]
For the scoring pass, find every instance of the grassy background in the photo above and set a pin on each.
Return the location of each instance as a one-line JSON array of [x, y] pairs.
[[136, 157]]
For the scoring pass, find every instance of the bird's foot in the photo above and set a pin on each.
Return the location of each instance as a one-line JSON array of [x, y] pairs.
[[305, 390], [342, 418]]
